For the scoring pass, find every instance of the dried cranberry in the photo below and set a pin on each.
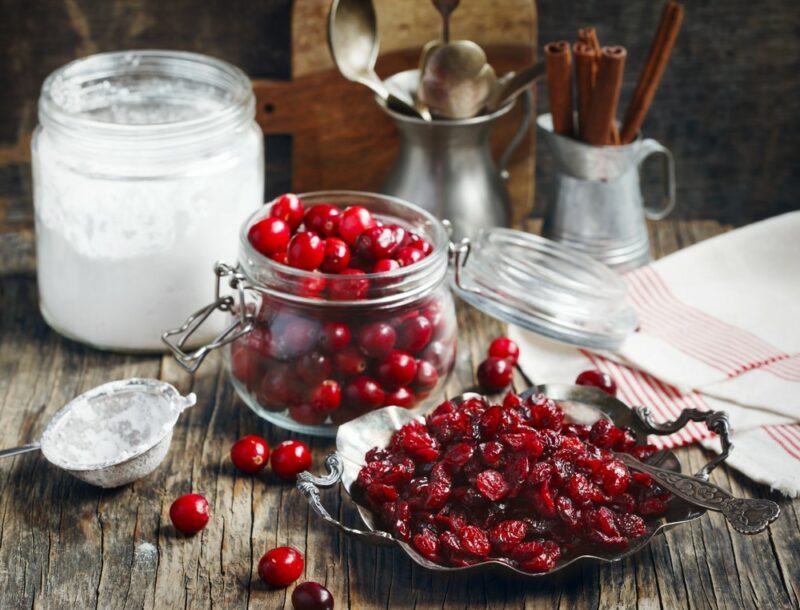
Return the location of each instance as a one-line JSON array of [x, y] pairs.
[[492, 485], [615, 477], [427, 544], [473, 540]]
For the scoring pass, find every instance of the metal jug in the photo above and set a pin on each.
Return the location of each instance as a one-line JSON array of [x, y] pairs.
[[446, 166], [597, 206]]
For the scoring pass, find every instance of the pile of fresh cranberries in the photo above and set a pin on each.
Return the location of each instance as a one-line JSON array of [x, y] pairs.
[[510, 481], [331, 364]]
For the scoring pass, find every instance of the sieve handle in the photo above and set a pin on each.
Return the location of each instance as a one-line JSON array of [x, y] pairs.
[[18, 450]]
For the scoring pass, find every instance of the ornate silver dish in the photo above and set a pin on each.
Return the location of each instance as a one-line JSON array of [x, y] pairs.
[[693, 493]]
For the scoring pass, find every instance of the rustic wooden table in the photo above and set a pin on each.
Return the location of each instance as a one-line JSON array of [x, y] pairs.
[[64, 544]]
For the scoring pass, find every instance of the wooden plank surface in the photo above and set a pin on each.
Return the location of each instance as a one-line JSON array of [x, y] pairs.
[[64, 544]]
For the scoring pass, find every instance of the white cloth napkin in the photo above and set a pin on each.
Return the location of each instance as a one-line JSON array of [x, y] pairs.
[[719, 329]]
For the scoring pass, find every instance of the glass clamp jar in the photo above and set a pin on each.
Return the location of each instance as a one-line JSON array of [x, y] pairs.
[[286, 341], [144, 164]]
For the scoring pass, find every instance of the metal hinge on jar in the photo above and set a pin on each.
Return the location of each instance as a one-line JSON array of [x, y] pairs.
[[176, 339]]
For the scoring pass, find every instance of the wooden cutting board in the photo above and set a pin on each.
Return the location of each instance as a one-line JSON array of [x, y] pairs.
[[339, 137]]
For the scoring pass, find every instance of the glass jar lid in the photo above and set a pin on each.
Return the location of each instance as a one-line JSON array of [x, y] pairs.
[[543, 286]]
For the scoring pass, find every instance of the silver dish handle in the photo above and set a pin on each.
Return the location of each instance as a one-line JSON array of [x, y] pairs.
[[716, 421], [309, 486]]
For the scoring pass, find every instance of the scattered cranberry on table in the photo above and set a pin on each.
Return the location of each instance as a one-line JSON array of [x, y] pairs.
[[189, 513], [290, 458], [250, 453], [494, 374], [510, 481], [311, 596], [281, 566], [503, 347], [598, 379]]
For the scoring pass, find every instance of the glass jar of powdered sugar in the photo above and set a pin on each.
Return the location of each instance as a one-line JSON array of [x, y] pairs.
[[144, 164]]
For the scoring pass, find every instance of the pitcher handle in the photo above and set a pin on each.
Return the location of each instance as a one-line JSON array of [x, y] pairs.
[[651, 147], [527, 109]]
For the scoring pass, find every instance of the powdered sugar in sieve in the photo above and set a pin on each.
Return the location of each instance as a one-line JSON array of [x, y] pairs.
[[115, 433]]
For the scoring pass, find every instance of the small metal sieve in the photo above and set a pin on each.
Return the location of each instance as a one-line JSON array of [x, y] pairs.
[[142, 445]]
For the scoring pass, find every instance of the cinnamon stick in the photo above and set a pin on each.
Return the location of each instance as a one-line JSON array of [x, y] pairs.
[[653, 70], [586, 62], [559, 85], [605, 95]]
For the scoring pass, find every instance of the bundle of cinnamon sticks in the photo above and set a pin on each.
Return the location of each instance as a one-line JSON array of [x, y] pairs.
[[598, 72]]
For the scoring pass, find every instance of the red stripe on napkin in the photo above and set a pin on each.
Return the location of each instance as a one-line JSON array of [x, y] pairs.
[[725, 347], [787, 436]]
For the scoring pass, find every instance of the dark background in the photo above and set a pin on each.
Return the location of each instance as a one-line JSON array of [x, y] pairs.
[[729, 106]]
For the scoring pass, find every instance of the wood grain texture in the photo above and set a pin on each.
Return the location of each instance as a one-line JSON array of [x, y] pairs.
[[64, 544]]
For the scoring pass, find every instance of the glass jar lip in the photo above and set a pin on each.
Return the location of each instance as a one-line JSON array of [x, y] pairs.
[[69, 78], [440, 248]]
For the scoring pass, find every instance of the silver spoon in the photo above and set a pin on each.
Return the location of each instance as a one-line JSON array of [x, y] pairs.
[[445, 7], [746, 515], [510, 85], [353, 41], [455, 79]]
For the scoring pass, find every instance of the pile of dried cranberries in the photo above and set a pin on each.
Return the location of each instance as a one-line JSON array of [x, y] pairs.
[[512, 482]]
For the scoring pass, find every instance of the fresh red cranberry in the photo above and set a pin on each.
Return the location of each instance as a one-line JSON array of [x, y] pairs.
[[250, 453], [400, 235], [385, 265], [275, 388], [189, 513], [376, 243], [349, 286], [305, 413], [377, 339], [408, 255], [494, 374], [323, 219], [353, 222], [420, 243], [290, 458], [401, 397], [337, 256], [427, 376], [334, 337], [306, 251], [311, 596], [503, 347], [398, 369], [314, 367], [327, 396], [288, 207], [280, 257], [349, 362], [598, 379], [311, 287], [292, 335], [364, 392], [270, 235], [440, 354], [414, 334], [246, 365], [280, 567]]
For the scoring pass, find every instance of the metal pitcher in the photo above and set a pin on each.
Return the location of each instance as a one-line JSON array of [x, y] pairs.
[[597, 206], [446, 166]]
